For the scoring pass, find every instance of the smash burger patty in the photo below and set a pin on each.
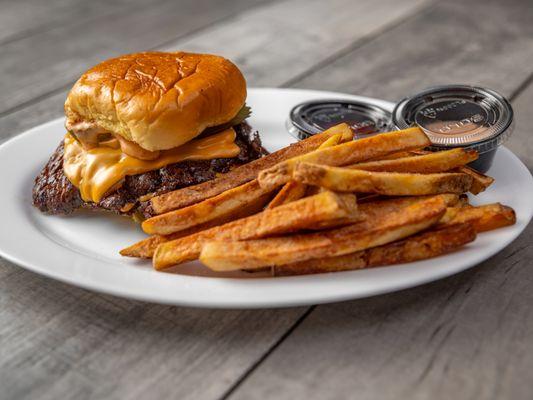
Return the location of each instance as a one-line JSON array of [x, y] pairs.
[[53, 193], [143, 124]]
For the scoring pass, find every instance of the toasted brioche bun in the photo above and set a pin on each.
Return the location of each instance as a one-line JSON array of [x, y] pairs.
[[157, 100]]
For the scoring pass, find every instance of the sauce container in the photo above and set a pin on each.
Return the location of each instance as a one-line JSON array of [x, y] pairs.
[[312, 117], [459, 116]]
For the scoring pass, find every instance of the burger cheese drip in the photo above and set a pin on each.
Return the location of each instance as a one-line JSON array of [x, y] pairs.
[[97, 170]]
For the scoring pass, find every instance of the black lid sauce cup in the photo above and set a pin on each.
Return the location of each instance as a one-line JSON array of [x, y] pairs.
[[459, 116], [312, 117]]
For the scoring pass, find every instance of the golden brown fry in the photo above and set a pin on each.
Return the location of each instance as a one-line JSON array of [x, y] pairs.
[[194, 194], [146, 248], [215, 207], [387, 183], [392, 156], [309, 213], [480, 182], [292, 191], [483, 218], [418, 247], [440, 161], [383, 228], [347, 153]]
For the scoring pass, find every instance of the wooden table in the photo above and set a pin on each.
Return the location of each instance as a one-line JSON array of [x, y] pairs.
[[466, 337]]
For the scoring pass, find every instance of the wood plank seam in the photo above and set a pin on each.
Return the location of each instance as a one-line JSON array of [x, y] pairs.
[[420, 11], [265, 355]]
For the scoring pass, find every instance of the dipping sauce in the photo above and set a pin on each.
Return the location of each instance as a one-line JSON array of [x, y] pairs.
[[312, 117], [459, 116]]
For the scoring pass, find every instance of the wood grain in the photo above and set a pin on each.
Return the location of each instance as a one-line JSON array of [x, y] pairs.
[[21, 19], [58, 342], [281, 43], [476, 42]]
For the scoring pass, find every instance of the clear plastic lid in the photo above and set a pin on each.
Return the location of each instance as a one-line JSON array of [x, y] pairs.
[[458, 115], [312, 117]]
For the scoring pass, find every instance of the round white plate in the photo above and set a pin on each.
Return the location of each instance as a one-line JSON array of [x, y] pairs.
[[82, 249]]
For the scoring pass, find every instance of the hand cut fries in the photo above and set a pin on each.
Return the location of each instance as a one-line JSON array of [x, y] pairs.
[[384, 228], [418, 247], [347, 153], [193, 194], [386, 183], [325, 205], [313, 212]]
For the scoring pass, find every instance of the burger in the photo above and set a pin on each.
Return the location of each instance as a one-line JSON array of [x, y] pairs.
[[144, 124]]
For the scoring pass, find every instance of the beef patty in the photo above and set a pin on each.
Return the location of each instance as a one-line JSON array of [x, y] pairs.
[[54, 194]]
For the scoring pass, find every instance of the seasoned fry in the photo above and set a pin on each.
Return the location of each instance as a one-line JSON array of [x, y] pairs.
[[225, 203], [480, 182], [146, 248], [295, 190], [387, 183], [384, 228], [418, 247], [309, 213], [194, 194], [347, 153], [291, 191], [440, 161], [483, 218]]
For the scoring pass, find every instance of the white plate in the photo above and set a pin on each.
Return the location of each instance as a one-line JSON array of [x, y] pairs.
[[82, 249]]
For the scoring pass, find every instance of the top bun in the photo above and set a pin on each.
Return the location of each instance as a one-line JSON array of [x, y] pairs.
[[157, 100]]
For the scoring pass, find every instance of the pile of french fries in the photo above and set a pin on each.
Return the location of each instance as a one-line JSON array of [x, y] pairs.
[[327, 203]]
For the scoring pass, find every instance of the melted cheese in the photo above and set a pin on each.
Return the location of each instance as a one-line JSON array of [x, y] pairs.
[[94, 172]]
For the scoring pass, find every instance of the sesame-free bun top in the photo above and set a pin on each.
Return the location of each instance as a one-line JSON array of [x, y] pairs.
[[157, 100]]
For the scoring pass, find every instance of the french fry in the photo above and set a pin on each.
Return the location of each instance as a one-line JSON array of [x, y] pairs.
[[194, 194], [308, 213], [440, 161], [480, 182], [384, 228], [418, 247], [291, 191], [295, 190], [146, 248], [347, 153], [225, 203], [483, 218], [386, 183]]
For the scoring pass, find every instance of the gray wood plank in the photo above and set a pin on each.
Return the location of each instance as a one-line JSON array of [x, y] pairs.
[[282, 42], [60, 342], [26, 18], [476, 42], [465, 337], [74, 343], [42, 64]]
